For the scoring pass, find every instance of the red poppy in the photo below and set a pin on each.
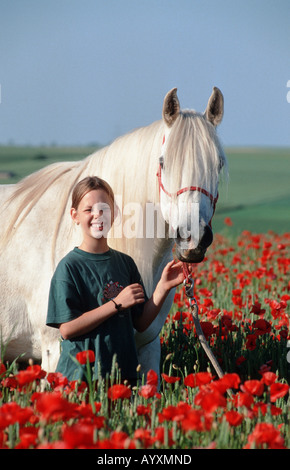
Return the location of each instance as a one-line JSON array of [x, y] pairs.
[[200, 378], [251, 340], [278, 390], [121, 440], [231, 380], [152, 378], [56, 379], [228, 221], [210, 400], [79, 436], [234, 418], [174, 413], [170, 379], [159, 436], [84, 356], [144, 436], [28, 437], [2, 368], [256, 308], [147, 391], [254, 387], [197, 420], [53, 407], [11, 413], [207, 328], [243, 399], [265, 434], [143, 410], [269, 378], [119, 391], [261, 326], [29, 375]]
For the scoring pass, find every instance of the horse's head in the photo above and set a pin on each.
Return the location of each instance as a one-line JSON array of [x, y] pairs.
[[189, 166]]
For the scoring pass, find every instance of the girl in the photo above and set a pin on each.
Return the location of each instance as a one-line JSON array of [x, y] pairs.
[[97, 296]]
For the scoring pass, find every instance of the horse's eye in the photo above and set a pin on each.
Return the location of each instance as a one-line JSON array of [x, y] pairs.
[[221, 163], [161, 162]]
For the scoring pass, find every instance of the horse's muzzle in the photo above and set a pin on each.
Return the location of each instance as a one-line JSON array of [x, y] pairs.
[[197, 254]]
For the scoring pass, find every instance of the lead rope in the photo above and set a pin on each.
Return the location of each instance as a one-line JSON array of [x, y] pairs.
[[189, 291]]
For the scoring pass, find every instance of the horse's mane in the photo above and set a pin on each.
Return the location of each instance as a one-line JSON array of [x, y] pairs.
[[31, 188], [193, 144]]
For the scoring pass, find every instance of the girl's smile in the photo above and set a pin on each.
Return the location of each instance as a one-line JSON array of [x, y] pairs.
[[95, 217]]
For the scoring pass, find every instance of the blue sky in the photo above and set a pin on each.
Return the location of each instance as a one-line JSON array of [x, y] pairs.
[[75, 72]]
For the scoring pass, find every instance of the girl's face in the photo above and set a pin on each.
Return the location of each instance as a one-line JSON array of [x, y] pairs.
[[94, 214]]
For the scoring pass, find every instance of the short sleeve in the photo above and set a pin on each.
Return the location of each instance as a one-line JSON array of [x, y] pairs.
[[64, 303]]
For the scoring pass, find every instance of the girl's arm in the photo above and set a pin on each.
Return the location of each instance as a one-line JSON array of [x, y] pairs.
[[129, 296], [171, 277]]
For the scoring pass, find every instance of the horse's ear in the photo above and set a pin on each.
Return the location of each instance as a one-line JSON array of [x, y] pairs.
[[215, 107], [171, 107]]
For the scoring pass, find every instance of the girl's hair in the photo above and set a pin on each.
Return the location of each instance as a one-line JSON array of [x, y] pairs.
[[89, 184]]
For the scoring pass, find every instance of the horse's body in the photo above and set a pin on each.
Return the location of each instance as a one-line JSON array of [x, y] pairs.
[[37, 230]]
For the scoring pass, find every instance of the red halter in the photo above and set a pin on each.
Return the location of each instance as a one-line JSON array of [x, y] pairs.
[[184, 190]]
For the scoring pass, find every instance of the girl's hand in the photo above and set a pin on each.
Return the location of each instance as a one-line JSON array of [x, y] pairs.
[[130, 295], [172, 275]]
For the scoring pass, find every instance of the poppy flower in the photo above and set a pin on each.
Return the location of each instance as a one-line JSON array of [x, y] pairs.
[[197, 420], [234, 418], [228, 221], [29, 375], [230, 380], [278, 390], [254, 387], [56, 379], [269, 378], [152, 378], [147, 391], [174, 413], [210, 400], [207, 328], [79, 436], [265, 434], [261, 326], [144, 436], [143, 410], [257, 310], [83, 356], [251, 341], [169, 379], [243, 399], [119, 391], [2, 368], [121, 440], [200, 378], [53, 407]]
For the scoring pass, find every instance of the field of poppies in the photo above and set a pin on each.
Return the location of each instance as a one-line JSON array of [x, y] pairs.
[[243, 294]]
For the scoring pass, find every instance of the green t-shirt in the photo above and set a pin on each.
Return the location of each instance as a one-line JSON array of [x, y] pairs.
[[82, 282]]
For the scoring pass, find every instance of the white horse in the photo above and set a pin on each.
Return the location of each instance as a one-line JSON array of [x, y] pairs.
[[169, 169]]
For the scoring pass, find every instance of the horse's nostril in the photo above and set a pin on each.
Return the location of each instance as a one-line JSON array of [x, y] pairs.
[[180, 236], [207, 237]]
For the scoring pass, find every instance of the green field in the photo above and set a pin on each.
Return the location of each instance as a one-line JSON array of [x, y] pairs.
[[256, 198]]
